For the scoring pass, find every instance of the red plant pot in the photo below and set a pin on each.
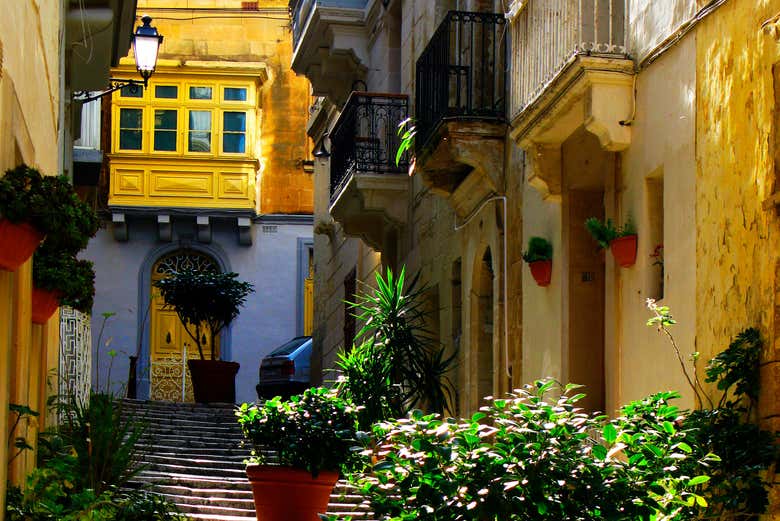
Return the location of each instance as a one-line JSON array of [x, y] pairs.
[[17, 243], [624, 250], [44, 304], [213, 381], [288, 494], [542, 271]]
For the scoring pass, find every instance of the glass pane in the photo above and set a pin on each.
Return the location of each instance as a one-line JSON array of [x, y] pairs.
[[165, 140], [165, 119], [166, 91], [132, 91], [235, 94], [200, 92], [200, 120], [130, 140], [200, 142], [234, 121], [130, 118], [233, 142]]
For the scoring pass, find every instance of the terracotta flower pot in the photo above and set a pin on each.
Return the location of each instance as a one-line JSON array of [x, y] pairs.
[[17, 243], [213, 381], [288, 494], [542, 271], [44, 304], [624, 250]]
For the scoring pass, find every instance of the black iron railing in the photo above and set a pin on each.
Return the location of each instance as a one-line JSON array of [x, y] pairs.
[[462, 72], [365, 138]]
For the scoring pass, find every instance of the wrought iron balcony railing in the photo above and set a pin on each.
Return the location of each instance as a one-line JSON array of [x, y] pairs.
[[548, 34], [303, 9], [365, 138], [462, 72]]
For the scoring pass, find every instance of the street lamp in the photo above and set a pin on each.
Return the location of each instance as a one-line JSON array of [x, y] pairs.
[[146, 45]]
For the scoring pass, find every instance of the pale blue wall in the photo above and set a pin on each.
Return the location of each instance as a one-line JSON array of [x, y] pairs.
[[270, 317]]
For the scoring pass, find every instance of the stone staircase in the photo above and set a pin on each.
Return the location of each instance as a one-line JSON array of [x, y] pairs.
[[193, 456]]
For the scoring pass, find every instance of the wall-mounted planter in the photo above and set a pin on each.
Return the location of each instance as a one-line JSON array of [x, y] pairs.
[[44, 304], [541, 271], [17, 243], [624, 250]]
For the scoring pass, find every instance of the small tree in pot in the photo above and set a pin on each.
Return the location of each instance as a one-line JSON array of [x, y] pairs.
[[207, 301]]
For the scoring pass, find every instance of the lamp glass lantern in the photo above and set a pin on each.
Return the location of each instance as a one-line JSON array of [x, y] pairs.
[[146, 45]]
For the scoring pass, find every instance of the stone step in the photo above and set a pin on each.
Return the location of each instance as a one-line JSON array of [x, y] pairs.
[[208, 500]]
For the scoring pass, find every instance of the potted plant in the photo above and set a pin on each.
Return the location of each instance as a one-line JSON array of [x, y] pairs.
[[33, 206], [207, 302], [539, 259], [622, 241], [311, 437], [60, 279]]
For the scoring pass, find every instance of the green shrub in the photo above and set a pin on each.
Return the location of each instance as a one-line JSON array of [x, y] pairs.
[[539, 249], [605, 232], [314, 431], [73, 280]]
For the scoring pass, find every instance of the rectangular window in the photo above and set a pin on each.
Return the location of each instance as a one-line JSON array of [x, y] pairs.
[[235, 94], [165, 130], [234, 132], [200, 92], [131, 129], [200, 131], [132, 91], [166, 91]]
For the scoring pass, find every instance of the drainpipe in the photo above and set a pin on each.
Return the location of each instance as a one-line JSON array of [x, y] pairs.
[[504, 272]]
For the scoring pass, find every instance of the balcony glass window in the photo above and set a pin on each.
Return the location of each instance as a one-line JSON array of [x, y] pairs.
[[132, 91], [234, 132], [203, 93], [199, 131], [235, 94], [166, 91], [165, 123], [131, 129]]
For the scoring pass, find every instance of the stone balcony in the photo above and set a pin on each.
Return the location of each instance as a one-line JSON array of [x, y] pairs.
[[330, 45], [460, 109], [368, 191], [571, 71]]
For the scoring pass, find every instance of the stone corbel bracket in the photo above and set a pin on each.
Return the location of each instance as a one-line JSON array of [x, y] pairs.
[[591, 92]]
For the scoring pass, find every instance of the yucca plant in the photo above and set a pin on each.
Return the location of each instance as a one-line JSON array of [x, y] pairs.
[[395, 364]]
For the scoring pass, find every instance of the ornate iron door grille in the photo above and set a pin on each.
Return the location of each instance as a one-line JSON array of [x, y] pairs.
[[75, 364]]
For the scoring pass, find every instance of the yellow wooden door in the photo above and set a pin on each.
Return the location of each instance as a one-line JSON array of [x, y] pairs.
[[170, 344]]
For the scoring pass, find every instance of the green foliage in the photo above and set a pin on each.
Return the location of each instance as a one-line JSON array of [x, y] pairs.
[[407, 130], [204, 297], [19, 413], [539, 249], [737, 367], [527, 457], [51, 205], [73, 280], [145, 506], [413, 367], [314, 431], [605, 232]]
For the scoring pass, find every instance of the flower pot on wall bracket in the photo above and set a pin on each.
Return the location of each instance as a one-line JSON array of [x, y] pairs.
[[624, 250], [44, 304], [541, 271], [288, 494], [17, 243]]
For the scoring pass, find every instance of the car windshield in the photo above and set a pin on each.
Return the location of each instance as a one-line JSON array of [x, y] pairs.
[[289, 347]]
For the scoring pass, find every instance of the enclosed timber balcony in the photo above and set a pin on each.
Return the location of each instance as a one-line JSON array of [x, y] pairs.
[[461, 107], [330, 44], [368, 191], [570, 70]]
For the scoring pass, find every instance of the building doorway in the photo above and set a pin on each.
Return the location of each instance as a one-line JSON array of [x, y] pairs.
[[170, 344]]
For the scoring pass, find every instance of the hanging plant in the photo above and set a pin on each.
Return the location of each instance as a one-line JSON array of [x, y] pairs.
[[539, 259], [622, 241], [62, 276]]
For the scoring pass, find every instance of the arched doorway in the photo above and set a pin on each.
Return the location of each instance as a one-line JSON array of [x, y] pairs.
[[169, 343], [482, 329]]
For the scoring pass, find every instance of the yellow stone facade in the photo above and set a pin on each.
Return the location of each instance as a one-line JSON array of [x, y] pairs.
[[29, 125]]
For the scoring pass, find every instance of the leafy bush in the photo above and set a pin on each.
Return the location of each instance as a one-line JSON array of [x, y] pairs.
[[605, 232], [204, 297], [73, 280], [395, 363], [314, 431], [146, 506], [539, 249], [527, 458]]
